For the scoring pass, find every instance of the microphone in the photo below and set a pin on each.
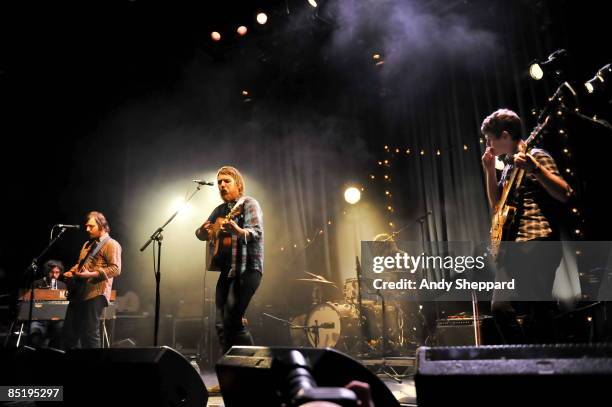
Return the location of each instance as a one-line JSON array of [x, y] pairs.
[[202, 182], [69, 226]]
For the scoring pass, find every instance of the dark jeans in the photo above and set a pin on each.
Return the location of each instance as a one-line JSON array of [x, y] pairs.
[[82, 325], [231, 299], [533, 265], [47, 333]]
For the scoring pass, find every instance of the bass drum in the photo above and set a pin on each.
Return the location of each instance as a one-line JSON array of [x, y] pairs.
[[338, 325]]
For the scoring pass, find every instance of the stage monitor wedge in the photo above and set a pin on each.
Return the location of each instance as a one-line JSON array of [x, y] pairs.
[[514, 375], [246, 376], [132, 376]]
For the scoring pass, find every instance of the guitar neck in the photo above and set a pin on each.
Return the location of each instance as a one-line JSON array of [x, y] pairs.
[[513, 181]]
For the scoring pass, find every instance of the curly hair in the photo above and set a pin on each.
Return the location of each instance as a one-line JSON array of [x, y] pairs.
[[51, 264]]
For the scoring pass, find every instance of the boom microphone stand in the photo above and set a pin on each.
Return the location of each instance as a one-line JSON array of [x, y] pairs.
[[157, 236], [32, 270]]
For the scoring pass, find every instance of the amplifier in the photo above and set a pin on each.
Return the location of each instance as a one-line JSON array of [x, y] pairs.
[[460, 331]]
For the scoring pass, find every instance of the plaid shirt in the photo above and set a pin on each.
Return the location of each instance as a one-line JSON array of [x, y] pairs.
[[536, 209], [247, 251]]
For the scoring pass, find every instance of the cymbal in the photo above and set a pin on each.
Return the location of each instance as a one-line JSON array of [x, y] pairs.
[[317, 276], [316, 280]]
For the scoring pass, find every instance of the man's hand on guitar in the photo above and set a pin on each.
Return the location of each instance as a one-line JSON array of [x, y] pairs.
[[68, 275], [86, 274], [526, 162], [232, 227]]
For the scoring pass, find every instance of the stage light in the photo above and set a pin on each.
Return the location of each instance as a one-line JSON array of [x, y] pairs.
[[179, 204], [262, 18], [535, 71], [242, 30], [216, 36], [313, 3], [352, 195], [556, 64], [599, 80]]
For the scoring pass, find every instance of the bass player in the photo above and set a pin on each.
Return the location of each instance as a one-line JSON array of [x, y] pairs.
[[90, 282], [540, 194]]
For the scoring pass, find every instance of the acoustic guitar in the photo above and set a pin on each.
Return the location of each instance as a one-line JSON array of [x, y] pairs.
[[504, 211], [220, 241]]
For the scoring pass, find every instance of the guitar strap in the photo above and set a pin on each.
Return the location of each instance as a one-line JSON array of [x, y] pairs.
[[92, 252], [238, 202]]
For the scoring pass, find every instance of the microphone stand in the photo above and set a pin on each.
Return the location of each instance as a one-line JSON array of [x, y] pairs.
[[157, 236], [31, 272], [425, 322]]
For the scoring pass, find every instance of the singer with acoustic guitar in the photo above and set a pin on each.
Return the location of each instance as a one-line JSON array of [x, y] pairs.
[[234, 231], [525, 202], [90, 282]]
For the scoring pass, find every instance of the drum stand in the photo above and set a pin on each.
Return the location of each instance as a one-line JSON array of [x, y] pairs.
[[307, 329], [384, 368]]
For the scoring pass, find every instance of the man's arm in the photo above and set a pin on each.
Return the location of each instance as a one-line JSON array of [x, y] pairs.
[[252, 228], [253, 220], [488, 163], [112, 254], [203, 232], [544, 169]]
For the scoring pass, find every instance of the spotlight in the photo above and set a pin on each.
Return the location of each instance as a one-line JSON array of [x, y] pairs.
[[598, 82], [556, 63], [179, 205], [313, 3], [352, 195], [535, 71], [242, 30], [262, 18], [215, 36]]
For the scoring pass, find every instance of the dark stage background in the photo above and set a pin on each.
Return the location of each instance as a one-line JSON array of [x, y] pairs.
[[116, 106]]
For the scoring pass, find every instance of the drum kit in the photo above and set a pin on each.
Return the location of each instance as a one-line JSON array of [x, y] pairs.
[[361, 325]]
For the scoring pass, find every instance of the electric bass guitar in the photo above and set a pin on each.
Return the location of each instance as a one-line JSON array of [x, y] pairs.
[[76, 286], [504, 211]]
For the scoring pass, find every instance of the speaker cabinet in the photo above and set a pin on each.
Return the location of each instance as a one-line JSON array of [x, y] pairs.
[[143, 376], [514, 375], [108, 377]]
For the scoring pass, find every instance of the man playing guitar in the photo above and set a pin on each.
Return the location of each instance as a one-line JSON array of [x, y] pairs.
[[234, 231], [89, 284], [535, 198]]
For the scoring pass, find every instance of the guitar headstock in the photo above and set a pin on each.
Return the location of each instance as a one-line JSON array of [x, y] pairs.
[[234, 212], [536, 135]]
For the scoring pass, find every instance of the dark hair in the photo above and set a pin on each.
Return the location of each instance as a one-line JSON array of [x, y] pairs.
[[51, 264], [502, 120], [100, 220]]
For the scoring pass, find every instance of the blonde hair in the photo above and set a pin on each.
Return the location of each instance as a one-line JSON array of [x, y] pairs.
[[235, 174]]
